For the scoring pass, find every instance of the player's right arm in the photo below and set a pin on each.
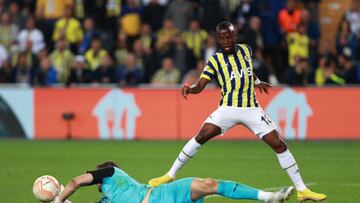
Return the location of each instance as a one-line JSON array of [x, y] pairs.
[[195, 88], [208, 73]]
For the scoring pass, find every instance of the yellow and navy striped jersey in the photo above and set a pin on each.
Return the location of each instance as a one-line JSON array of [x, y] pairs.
[[234, 73]]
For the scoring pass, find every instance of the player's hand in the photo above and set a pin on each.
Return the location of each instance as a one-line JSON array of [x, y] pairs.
[[57, 200], [185, 91], [264, 87]]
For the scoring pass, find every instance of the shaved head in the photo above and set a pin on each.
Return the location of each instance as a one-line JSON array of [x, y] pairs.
[[224, 25], [226, 36]]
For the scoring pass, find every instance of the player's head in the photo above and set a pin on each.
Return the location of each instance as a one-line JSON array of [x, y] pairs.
[[226, 36], [106, 164]]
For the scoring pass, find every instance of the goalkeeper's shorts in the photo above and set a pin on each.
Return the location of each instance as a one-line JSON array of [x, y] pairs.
[[178, 191]]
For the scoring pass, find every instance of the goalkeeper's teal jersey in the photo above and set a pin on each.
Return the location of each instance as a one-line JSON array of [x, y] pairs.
[[121, 188]]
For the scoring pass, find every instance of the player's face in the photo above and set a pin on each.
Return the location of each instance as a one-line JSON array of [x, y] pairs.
[[227, 39]]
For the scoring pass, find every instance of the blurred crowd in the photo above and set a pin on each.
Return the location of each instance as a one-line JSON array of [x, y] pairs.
[[163, 42]]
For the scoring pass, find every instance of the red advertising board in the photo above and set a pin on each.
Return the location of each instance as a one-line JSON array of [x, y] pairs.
[[156, 114]]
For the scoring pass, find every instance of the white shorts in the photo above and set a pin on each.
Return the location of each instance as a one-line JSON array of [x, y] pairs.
[[254, 119]]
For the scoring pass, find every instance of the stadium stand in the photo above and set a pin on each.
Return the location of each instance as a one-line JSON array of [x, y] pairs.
[[291, 39]]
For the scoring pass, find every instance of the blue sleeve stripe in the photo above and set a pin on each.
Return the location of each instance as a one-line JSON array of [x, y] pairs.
[[250, 50], [208, 74], [211, 66]]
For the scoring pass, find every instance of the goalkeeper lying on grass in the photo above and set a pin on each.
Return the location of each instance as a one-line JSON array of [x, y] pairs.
[[118, 187]]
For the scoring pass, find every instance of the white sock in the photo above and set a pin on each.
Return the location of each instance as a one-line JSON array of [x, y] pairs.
[[187, 152], [264, 196], [288, 163]]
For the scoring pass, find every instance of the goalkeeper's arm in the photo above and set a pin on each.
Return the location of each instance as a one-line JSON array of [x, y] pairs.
[[89, 178], [72, 186]]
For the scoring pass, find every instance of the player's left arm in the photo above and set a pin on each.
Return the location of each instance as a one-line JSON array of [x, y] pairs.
[[263, 86], [73, 185], [87, 179]]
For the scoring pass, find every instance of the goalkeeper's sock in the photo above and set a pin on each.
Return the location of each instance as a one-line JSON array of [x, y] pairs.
[[235, 190], [288, 163], [186, 153]]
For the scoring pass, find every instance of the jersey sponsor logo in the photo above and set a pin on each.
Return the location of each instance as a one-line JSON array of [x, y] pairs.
[[236, 74], [112, 111], [290, 110]]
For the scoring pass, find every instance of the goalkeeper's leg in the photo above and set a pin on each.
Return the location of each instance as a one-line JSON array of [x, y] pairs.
[[233, 190]]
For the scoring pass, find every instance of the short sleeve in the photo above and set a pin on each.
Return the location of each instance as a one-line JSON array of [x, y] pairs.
[[250, 50], [209, 70]]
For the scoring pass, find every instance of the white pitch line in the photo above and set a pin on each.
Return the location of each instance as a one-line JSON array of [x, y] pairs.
[[281, 187], [349, 184], [313, 183], [342, 184], [213, 196], [298, 157], [307, 184]]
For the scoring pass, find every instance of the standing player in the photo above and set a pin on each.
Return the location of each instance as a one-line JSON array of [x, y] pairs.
[[232, 66], [119, 187]]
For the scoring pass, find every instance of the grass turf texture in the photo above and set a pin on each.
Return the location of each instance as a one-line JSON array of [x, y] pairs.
[[329, 167]]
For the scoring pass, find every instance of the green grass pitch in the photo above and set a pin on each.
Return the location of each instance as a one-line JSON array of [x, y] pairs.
[[329, 167]]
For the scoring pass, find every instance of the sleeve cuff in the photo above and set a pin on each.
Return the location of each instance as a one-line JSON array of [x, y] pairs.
[[205, 77]]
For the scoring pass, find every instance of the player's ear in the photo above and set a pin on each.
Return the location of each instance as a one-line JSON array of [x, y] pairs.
[[235, 34], [99, 187]]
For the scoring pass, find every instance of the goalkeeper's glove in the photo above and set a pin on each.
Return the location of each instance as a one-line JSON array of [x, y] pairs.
[[57, 200]]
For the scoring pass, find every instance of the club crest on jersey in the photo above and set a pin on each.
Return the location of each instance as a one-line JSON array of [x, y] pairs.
[[247, 58], [235, 74]]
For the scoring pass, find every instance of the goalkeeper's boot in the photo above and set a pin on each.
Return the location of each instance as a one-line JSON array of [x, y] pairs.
[[310, 195], [281, 195], [160, 180]]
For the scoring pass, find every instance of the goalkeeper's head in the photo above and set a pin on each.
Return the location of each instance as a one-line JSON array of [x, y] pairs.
[[106, 164]]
